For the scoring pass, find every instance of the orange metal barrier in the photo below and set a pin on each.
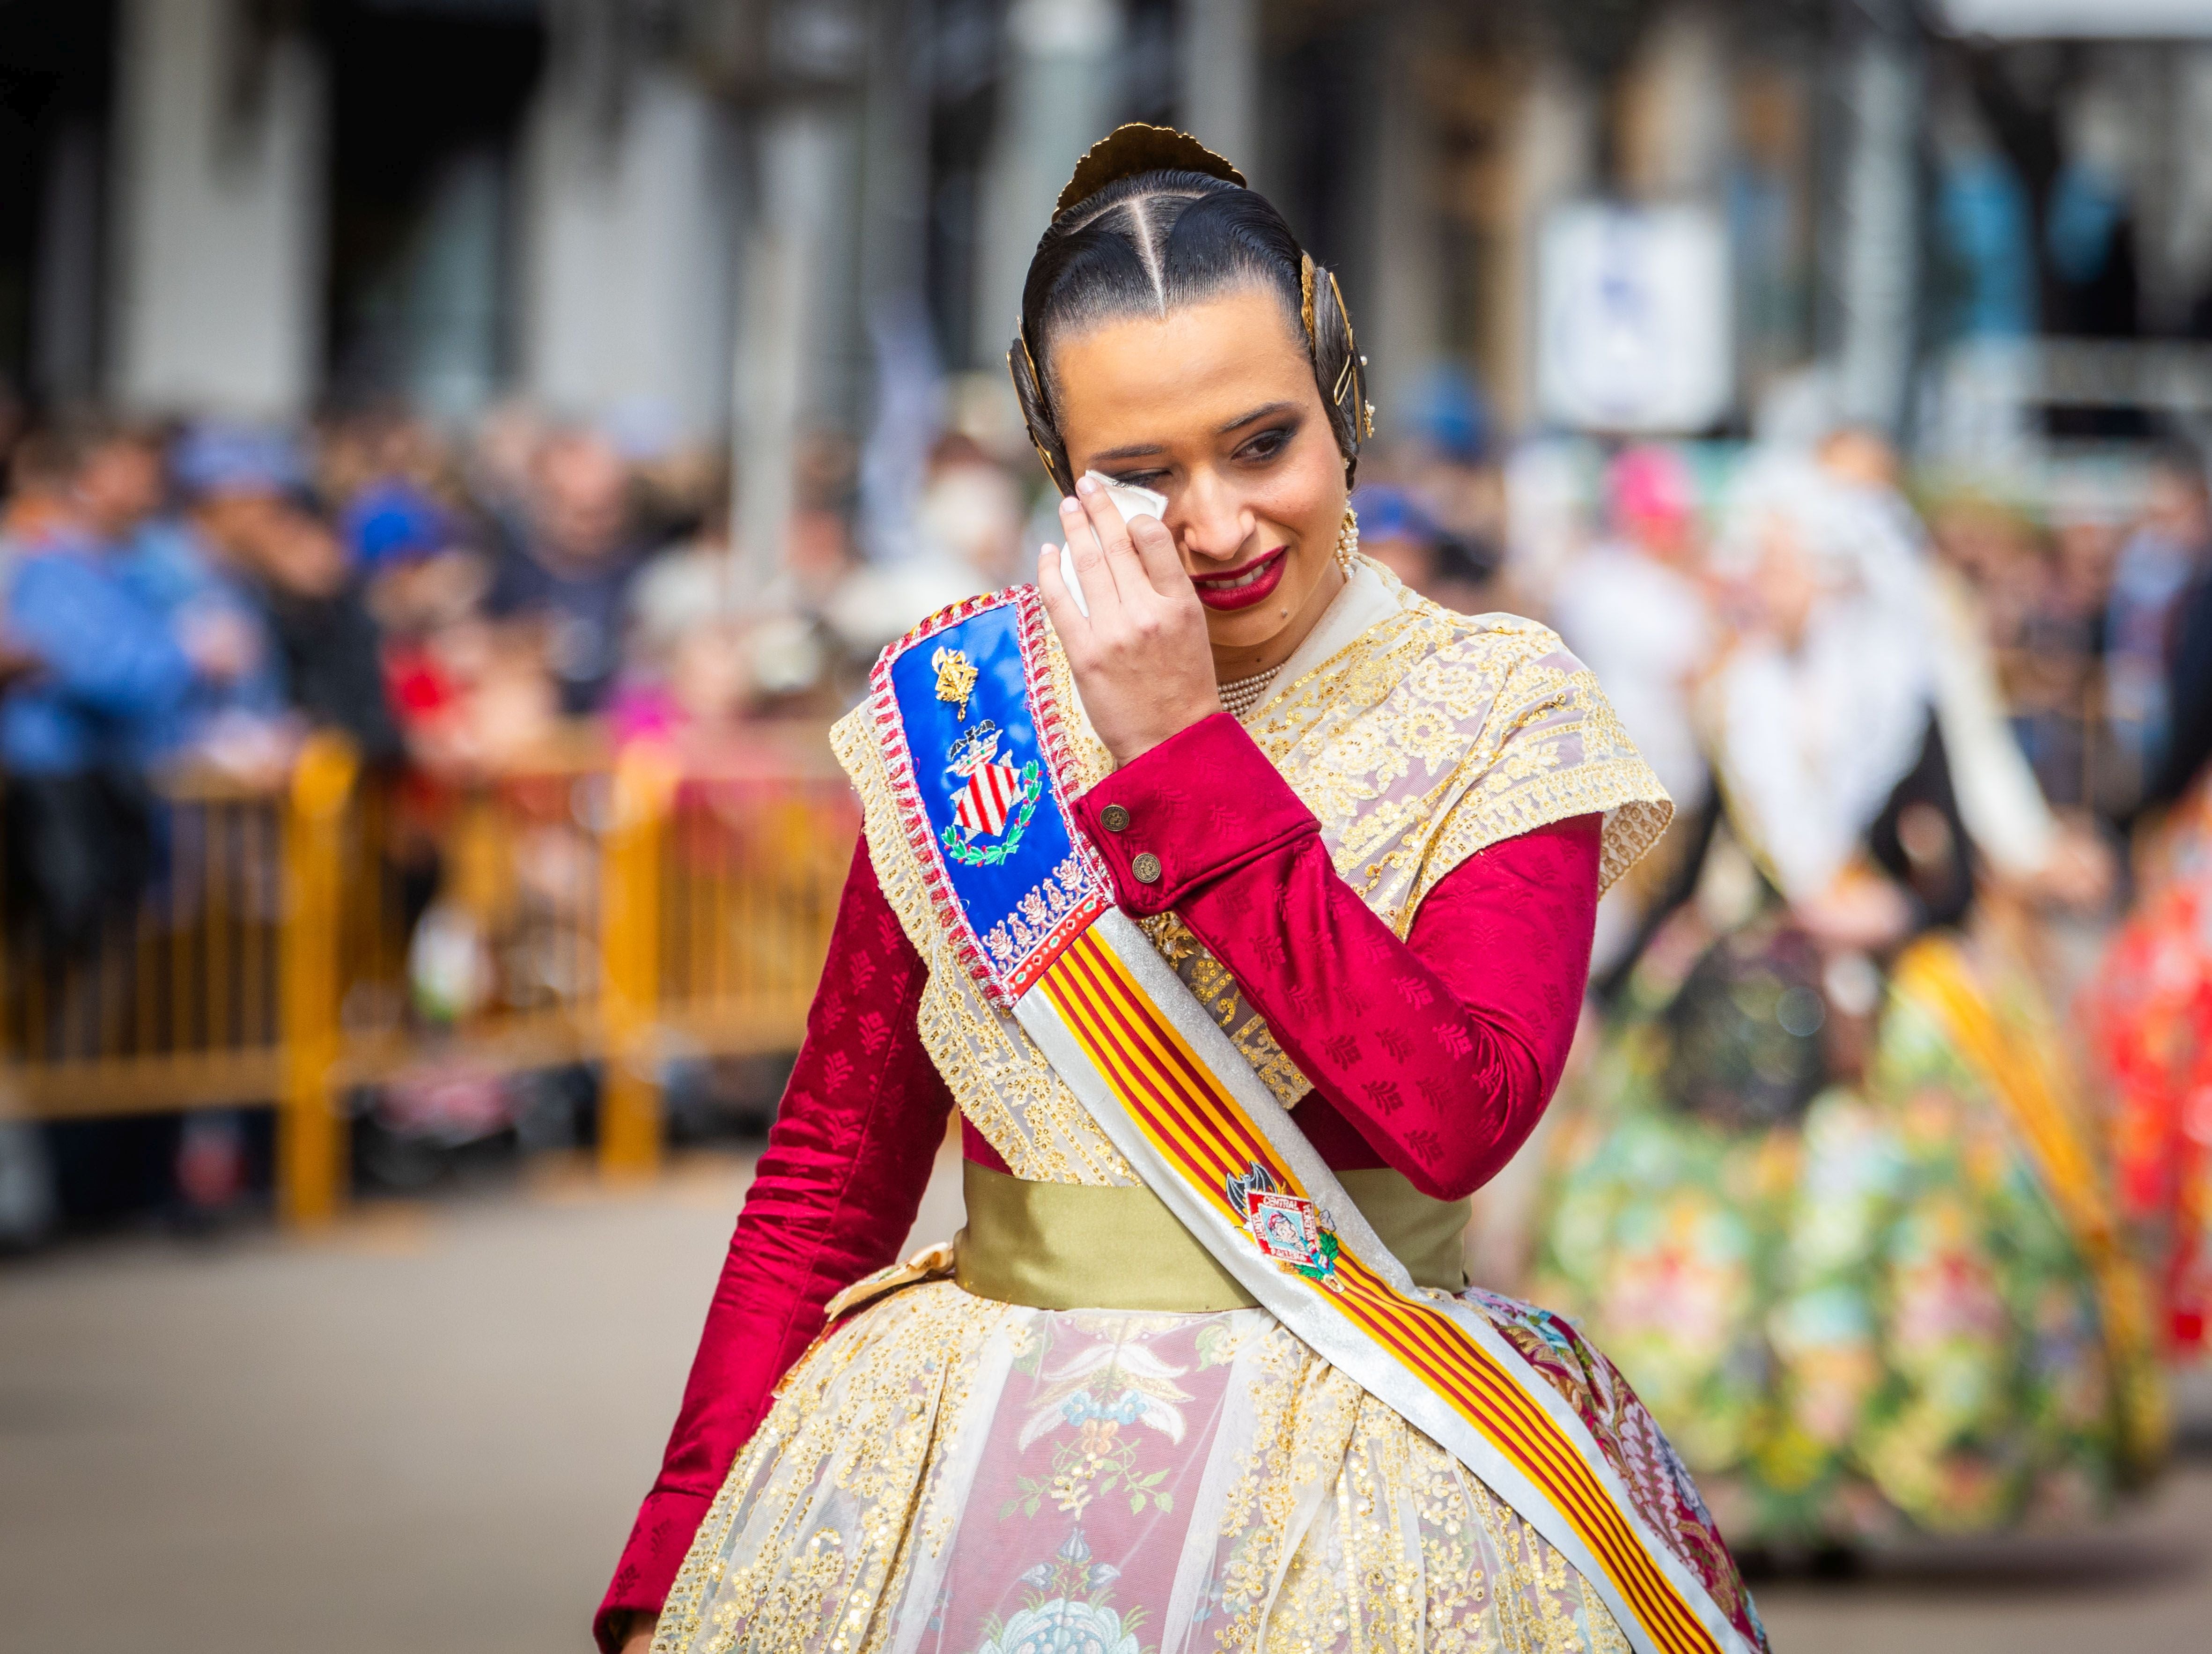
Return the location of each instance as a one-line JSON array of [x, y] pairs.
[[619, 916]]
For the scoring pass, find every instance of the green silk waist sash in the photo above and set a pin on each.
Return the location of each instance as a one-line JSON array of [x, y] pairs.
[[1079, 1246]]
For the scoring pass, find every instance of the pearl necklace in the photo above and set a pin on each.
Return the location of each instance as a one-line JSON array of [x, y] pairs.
[[1246, 693]]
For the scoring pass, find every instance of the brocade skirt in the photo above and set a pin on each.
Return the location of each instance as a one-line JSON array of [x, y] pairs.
[[949, 1473]]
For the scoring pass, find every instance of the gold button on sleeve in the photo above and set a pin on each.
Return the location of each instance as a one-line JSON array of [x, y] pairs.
[[1146, 866], [1113, 818]]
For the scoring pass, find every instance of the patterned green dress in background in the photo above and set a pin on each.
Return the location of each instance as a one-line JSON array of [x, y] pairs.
[[1857, 1310]]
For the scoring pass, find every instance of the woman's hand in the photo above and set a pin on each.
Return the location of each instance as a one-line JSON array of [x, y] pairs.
[[1141, 659], [638, 1639], [2080, 871], [1859, 912]]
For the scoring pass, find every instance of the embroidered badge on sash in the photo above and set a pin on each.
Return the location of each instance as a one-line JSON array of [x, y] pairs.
[[990, 797], [1285, 1227]]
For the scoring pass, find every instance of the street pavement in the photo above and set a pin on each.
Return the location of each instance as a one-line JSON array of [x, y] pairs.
[[426, 1434]]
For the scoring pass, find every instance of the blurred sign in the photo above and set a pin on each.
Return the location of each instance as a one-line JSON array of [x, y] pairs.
[[2059, 20], [1632, 318]]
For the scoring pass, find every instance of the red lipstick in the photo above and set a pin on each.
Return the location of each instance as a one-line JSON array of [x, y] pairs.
[[1240, 588]]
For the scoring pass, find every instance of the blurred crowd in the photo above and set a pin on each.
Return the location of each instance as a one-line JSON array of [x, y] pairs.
[[2090, 594], [199, 597], [183, 606], [189, 602]]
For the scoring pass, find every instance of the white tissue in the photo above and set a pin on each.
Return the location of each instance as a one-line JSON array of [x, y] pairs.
[[1134, 503], [1074, 586]]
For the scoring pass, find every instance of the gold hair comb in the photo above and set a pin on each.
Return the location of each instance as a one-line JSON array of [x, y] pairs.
[[1136, 148]]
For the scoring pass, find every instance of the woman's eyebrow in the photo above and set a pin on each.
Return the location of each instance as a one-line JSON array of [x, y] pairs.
[[1242, 420], [1140, 450]]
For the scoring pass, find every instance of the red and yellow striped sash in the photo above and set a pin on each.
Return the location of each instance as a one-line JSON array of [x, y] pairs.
[[1204, 1134]]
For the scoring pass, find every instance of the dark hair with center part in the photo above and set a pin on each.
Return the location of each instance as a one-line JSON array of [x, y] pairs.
[[1144, 245]]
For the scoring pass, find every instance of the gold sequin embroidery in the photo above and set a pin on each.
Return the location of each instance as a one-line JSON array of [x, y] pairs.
[[1429, 737]]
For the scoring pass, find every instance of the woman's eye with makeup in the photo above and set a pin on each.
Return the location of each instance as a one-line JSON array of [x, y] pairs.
[[1265, 445], [1150, 479]]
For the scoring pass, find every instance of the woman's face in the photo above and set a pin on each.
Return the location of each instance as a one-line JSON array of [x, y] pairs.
[[1783, 584], [1214, 405]]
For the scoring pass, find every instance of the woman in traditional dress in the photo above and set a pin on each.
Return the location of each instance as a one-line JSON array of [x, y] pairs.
[[1830, 1200], [2149, 1013], [2150, 1004], [1199, 1373]]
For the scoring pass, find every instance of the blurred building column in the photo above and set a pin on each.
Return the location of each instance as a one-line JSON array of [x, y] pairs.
[[626, 255], [1401, 318], [2190, 246], [2177, 215], [1057, 98], [1870, 245], [895, 171], [1218, 94], [1676, 107], [218, 228], [905, 400], [65, 319], [1550, 148], [453, 290], [796, 251]]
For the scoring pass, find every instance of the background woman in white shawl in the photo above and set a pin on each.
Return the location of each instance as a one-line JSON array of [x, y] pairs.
[[1822, 705], [1854, 639], [1825, 1200]]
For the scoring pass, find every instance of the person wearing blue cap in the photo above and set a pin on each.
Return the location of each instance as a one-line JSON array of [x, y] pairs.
[[250, 501], [215, 459], [170, 561], [391, 522]]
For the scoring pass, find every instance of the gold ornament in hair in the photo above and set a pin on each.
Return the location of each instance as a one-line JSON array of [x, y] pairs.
[[1022, 338], [1044, 456], [1045, 460], [1353, 371], [1136, 148], [1305, 299], [1351, 344]]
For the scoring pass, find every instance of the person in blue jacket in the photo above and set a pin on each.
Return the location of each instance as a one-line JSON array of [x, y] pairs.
[[117, 677]]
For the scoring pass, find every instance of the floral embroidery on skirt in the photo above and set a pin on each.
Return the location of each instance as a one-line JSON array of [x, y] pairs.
[[1860, 1314], [948, 1474]]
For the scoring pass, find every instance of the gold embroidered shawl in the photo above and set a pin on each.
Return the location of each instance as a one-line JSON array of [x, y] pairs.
[[1416, 736]]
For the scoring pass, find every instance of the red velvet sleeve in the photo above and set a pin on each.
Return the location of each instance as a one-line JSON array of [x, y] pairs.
[[1436, 1054], [835, 1192]]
